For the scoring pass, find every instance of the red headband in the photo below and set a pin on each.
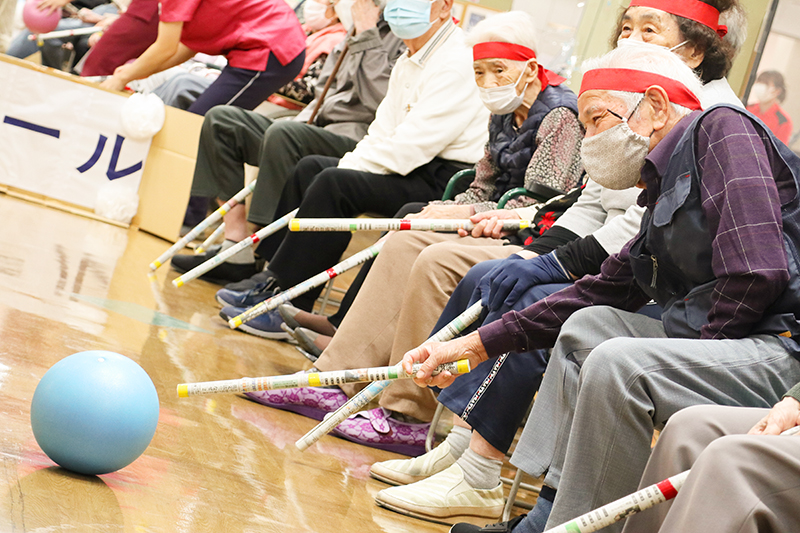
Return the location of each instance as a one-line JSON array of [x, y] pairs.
[[637, 81], [695, 10], [514, 52]]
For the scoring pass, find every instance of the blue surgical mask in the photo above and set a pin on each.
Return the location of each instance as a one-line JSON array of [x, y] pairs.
[[408, 19]]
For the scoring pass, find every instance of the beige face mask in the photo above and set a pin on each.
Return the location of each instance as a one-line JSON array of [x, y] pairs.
[[615, 157]]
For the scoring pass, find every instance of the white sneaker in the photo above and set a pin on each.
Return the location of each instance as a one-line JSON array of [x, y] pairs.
[[443, 495], [405, 471]]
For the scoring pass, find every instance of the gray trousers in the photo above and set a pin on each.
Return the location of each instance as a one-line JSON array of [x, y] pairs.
[[739, 483], [614, 377], [231, 137]]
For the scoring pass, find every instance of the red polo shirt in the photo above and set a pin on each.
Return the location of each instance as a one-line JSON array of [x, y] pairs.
[[776, 119], [244, 31]]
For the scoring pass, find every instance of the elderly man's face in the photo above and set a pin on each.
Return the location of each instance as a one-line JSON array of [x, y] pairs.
[[599, 111], [493, 72]]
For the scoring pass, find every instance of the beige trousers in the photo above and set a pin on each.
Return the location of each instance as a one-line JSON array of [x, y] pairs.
[[399, 304]]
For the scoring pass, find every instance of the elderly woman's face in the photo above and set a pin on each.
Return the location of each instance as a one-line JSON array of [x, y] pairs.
[[651, 26], [495, 72]]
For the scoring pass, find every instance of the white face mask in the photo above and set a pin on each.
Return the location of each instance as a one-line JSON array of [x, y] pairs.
[[621, 43], [314, 15], [761, 93], [504, 99], [615, 157], [343, 10]]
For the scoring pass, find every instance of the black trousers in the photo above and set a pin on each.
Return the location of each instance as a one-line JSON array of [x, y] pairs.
[[321, 190]]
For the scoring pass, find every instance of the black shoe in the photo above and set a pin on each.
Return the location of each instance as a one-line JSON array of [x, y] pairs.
[[265, 277], [501, 527], [220, 274]]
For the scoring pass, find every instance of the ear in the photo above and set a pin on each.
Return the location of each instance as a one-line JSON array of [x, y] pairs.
[[446, 9], [531, 71], [692, 55], [659, 110]]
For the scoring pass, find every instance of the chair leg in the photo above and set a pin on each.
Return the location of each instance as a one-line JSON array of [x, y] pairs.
[[437, 415], [326, 296]]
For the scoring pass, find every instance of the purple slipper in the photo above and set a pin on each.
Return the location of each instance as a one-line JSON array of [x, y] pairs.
[[375, 428], [313, 402]]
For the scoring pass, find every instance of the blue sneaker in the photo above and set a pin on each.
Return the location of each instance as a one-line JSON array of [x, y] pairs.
[[248, 297], [267, 325]]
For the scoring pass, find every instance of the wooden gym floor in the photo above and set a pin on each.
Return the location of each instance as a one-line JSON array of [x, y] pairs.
[[217, 463]]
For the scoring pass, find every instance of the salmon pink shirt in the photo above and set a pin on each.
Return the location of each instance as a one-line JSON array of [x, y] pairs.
[[244, 31]]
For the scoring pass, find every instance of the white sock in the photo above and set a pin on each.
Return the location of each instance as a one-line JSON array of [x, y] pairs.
[[479, 471], [242, 257], [458, 439]]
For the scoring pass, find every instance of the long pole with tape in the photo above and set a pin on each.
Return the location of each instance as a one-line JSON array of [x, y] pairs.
[[394, 224], [211, 239], [371, 391], [312, 379], [637, 502], [307, 285], [223, 256], [200, 228]]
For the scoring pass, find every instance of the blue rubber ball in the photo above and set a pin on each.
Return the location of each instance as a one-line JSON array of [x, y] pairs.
[[94, 412]]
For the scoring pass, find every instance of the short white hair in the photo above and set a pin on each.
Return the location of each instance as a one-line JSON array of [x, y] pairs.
[[515, 27], [656, 60]]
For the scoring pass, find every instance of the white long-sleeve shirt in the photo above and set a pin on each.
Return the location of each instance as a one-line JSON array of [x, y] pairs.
[[431, 109]]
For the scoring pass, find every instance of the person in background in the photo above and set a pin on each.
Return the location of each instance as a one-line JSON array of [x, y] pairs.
[[89, 13], [123, 40], [768, 92], [261, 39]]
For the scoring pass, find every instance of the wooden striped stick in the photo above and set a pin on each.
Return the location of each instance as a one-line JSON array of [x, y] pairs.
[[211, 239], [221, 257], [371, 391], [394, 224], [631, 504], [311, 379], [201, 227], [307, 285]]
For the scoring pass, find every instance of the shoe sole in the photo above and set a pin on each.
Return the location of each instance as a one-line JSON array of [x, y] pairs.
[[275, 336], [403, 449], [452, 512], [307, 355], [309, 412]]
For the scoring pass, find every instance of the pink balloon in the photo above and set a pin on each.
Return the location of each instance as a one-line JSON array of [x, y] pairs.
[[38, 20]]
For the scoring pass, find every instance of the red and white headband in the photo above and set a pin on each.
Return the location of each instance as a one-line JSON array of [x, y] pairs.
[[637, 81], [514, 52], [695, 10]]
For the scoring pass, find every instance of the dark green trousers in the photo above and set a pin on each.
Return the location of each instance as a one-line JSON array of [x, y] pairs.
[[232, 136]]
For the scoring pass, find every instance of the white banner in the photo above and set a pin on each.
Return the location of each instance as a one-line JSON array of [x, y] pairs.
[[63, 139]]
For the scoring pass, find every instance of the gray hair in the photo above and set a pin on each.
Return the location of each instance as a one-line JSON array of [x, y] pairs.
[[735, 19], [655, 60], [516, 27]]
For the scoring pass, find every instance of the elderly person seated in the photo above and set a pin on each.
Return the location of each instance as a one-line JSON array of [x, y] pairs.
[[491, 401], [722, 201], [430, 125], [534, 140], [232, 137], [744, 477]]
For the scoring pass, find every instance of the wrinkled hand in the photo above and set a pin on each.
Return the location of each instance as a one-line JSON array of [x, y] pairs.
[[443, 211], [433, 354], [489, 223], [365, 15], [51, 5], [784, 415], [505, 284]]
